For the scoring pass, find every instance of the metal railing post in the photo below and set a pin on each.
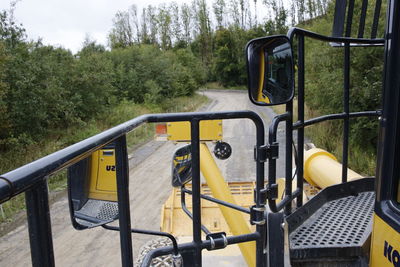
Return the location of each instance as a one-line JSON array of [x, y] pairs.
[[300, 131], [39, 225], [195, 136], [123, 202], [346, 109]]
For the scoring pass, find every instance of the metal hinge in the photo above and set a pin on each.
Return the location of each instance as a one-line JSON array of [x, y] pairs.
[[218, 240], [257, 215], [269, 151]]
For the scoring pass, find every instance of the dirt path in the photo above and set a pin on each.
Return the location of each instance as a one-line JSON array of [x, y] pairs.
[[149, 188]]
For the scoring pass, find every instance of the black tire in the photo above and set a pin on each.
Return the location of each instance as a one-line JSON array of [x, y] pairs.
[[163, 261]]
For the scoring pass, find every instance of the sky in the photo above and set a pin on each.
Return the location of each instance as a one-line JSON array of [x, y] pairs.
[[66, 22]]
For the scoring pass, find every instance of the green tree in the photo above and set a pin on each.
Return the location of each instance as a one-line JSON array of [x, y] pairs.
[[204, 34], [121, 35], [229, 66], [164, 22], [5, 122], [219, 12], [186, 22], [92, 83]]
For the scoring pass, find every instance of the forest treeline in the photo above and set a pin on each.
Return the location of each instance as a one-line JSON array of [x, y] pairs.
[[43, 88], [157, 53], [162, 52], [215, 33]]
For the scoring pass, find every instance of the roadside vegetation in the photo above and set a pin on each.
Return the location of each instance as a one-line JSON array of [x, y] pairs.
[[156, 59], [324, 91]]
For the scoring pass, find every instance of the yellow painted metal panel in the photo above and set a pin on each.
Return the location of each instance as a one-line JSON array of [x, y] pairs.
[[103, 178], [176, 222], [322, 169], [210, 130], [385, 248]]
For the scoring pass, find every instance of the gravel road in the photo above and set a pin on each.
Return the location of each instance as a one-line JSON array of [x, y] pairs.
[[149, 188]]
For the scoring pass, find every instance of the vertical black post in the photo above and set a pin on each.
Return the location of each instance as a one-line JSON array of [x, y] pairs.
[[195, 135], [349, 21], [122, 167], [260, 203], [289, 156], [300, 107], [388, 169], [346, 109], [39, 225]]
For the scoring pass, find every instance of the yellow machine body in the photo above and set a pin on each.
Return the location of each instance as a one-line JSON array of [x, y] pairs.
[[175, 221], [220, 190], [215, 217], [210, 130], [385, 244], [103, 178], [260, 96], [322, 169]]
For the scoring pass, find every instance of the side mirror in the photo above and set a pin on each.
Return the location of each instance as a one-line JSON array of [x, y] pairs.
[[182, 166], [92, 189], [270, 70]]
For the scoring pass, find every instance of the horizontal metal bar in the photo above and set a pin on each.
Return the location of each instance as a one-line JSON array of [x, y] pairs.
[[189, 214], [346, 40], [147, 232], [287, 199], [187, 247], [221, 202], [21, 179], [337, 116]]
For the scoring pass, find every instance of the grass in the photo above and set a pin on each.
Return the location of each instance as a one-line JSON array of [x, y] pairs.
[[61, 138]]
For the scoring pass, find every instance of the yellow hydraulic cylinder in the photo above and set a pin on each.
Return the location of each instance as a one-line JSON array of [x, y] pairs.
[[322, 169], [220, 190]]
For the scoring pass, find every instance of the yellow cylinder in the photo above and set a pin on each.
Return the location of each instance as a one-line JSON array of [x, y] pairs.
[[322, 169], [220, 190]]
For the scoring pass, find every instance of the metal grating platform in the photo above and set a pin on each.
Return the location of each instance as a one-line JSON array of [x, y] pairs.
[[343, 224], [97, 212]]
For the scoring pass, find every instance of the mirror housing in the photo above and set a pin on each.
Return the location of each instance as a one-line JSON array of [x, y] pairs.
[[270, 70], [92, 189], [182, 166]]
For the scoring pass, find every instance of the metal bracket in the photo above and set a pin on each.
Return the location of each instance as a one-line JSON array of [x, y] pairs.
[[218, 240], [265, 152], [257, 215], [263, 195], [272, 191]]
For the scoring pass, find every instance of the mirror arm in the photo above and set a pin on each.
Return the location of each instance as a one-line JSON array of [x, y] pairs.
[[148, 232]]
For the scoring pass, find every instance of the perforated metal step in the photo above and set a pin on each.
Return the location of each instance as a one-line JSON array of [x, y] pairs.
[[96, 212], [342, 222], [334, 227]]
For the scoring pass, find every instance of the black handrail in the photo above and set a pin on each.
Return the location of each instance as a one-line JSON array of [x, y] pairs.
[[32, 179], [301, 123], [21, 179]]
